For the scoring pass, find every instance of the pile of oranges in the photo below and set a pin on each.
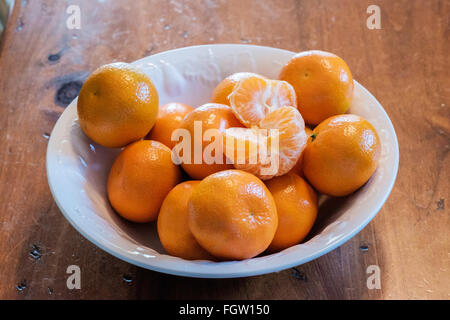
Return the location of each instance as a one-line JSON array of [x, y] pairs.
[[248, 200]]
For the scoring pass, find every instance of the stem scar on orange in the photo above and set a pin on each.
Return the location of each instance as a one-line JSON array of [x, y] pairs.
[[342, 156]]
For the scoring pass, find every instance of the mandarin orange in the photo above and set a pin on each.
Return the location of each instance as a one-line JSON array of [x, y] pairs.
[[323, 84], [253, 97], [209, 116], [140, 178], [272, 148], [117, 105], [297, 209], [342, 155], [232, 215], [226, 86], [169, 119], [173, 229], [275, 138]]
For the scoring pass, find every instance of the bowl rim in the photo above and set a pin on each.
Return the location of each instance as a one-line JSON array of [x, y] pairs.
[[107, 247]]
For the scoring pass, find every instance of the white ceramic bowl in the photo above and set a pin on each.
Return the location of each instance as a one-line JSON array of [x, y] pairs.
[[77, 168]]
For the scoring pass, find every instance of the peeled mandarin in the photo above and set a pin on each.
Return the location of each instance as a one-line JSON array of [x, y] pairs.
[[226, 86]]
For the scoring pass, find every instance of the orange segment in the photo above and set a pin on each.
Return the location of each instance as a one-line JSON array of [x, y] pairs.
[[291, 135], [298, 168], [210, 116], [272, 148], [226, 86], [242, 147], [140, 178], [253, 97]]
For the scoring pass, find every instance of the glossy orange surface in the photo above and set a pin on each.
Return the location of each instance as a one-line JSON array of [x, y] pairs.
[[342, 155], [173, 229], [140, 178], [233, 215], [297, 209], [209, 116], [170, 117], [118, 104], [224, 88], [323, 84]]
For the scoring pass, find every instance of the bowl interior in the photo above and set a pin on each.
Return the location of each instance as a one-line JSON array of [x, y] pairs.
[[77, 168]]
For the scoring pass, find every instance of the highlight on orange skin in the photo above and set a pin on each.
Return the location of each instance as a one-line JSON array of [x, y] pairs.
[[225, 87], [323, 84], [140, 178], [173, 228], [232, 215], [342, 156], [211, 116], [297, 210], [170, 117]]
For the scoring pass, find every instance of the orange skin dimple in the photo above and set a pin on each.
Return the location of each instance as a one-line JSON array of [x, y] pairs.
[[169, 118], [323, 84], [212, 116], [140, 178], [117, 105], [173, 229], [224, 88], [343, 155], [233, 215], [270, 105], [296, 207]]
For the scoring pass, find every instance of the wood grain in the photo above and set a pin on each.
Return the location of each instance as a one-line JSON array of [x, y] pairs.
[[405, 65]]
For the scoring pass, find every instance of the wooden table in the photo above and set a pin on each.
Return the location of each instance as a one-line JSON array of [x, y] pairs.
[[404, 64]]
